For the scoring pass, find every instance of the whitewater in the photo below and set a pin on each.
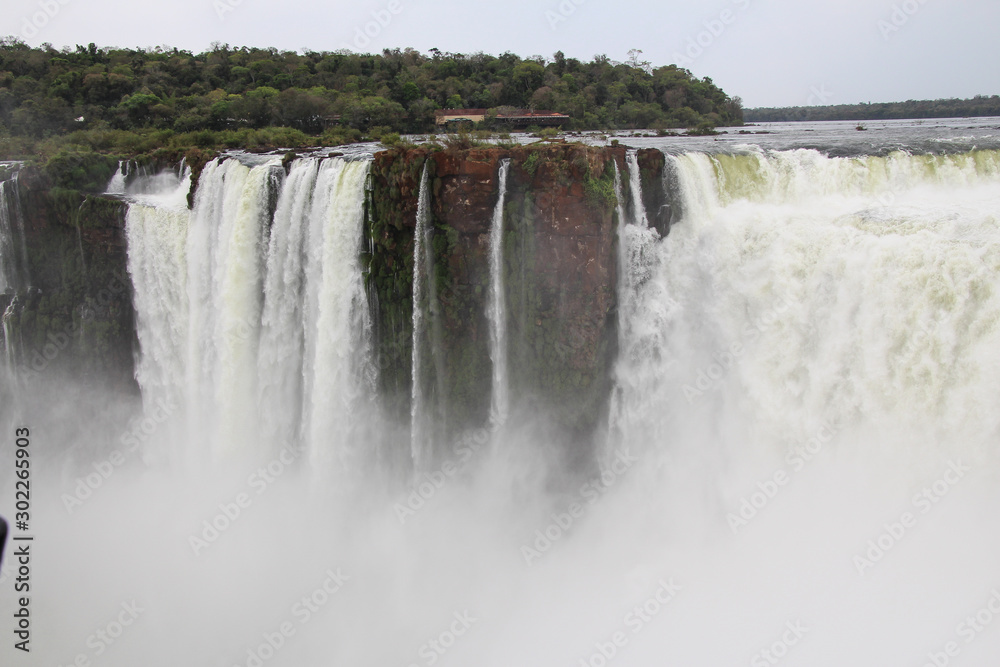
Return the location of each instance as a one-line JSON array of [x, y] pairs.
[[801, 464]]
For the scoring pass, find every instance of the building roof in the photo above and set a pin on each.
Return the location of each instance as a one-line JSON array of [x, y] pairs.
[[528, 113], [518, 113], [460, 112]]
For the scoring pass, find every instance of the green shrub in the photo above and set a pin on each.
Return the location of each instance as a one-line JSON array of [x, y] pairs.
[[390, 139], [463, 140], [531, 163], [84, 171]]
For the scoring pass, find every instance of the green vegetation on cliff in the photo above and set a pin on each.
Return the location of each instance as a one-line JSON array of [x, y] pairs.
[[130, 101]]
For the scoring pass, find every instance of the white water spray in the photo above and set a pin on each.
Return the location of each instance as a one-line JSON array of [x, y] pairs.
[[499, 397], [258, 329], [637, 260], [421, 274], [813, 346], [281, 358], [341, 375], [635, 185]]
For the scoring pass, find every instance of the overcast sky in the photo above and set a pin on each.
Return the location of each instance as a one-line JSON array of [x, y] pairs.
[[769, 52]]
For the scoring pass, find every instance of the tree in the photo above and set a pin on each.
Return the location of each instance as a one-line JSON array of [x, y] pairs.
[[634, 62]]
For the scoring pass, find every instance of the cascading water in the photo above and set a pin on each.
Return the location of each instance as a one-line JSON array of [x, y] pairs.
[[805, 463], [225, 283], [281, 360], [637, 260], [258, 329], [499, 397], [421, 275], [813, 348], [340, 376], [157, 263], [116, 186], [820, 271], [635, 185], [13, 263]]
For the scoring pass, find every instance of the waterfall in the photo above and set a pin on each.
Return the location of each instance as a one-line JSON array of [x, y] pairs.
[[225, 249], [804, 425], [14, 275], [636, 263], [157, 263], [635, 185], [800, 289], [421, 274], [280, 362], [251, 311], [499, 398], [339, 374], [116, 186]]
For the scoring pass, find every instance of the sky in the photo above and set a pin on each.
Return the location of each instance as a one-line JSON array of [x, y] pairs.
[[768, 52]]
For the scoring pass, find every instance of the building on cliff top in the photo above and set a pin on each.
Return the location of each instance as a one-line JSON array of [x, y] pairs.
[[515, 118]]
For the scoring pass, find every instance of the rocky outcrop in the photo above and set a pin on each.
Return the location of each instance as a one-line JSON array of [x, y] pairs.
[[74, 316], [560, 250], [655, 197]]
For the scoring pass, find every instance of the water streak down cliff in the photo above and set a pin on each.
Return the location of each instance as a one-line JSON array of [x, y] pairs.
[[544, 222]]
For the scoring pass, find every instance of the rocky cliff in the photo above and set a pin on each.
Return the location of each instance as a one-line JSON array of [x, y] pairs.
[[71, 312], [560, 274], [559, 268]]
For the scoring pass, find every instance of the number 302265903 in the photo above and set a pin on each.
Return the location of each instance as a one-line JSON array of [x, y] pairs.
[[23, 485]]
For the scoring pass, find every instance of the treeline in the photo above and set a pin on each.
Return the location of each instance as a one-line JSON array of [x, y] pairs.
[[46, 92], [980, 105]]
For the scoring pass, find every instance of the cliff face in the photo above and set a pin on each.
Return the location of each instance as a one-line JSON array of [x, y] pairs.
[[559, 269], [74, 315], [652, 174]]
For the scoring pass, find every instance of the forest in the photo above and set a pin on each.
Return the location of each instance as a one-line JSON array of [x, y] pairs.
[[136, 100], [951, 108]]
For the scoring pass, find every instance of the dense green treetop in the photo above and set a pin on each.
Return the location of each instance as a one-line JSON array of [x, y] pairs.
[[47, 93], [952, 108]]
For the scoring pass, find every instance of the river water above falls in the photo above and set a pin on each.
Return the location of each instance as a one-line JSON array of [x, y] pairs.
[[799, 460]]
